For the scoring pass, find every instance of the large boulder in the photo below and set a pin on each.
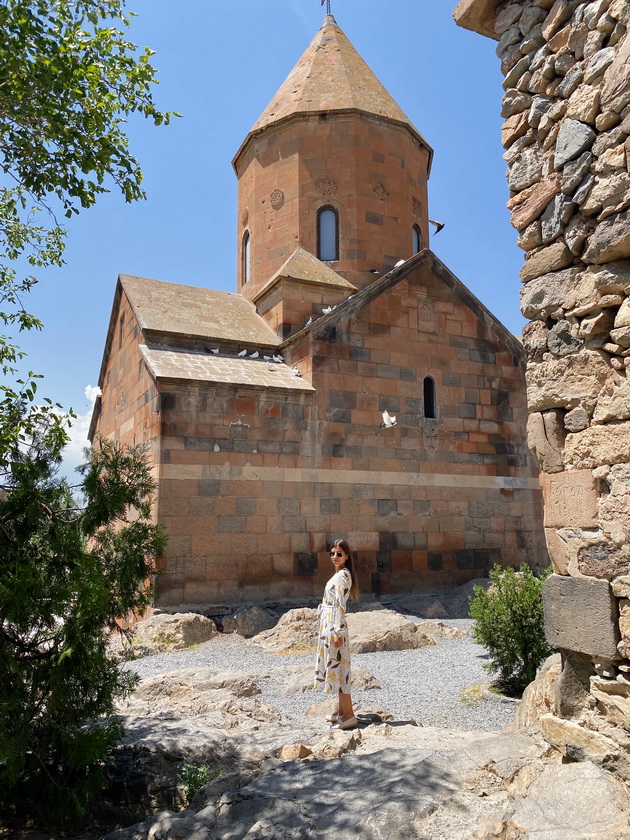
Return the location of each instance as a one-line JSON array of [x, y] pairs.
[[384, 630], [250, 621], [295, 632], [177, 631], [539, 696]]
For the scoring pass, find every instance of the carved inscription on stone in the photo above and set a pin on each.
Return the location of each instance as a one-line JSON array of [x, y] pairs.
[[416, 207], [570, 499], [426, 315], [380, 192], [245, 217]]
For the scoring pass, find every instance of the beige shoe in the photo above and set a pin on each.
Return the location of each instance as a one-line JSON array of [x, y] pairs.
[[332, 718], [345, 724]]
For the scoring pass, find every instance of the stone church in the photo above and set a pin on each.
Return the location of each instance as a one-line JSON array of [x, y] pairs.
[[264, 410]]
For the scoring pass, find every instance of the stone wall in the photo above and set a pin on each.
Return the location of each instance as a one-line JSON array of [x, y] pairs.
[[566, 133]]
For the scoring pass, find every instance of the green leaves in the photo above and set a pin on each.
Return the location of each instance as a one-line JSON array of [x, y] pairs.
[[67, 572], [509, 623]]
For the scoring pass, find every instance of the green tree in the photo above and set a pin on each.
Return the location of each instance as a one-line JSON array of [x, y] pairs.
[[69, 78], [509, 623], [67, 572]]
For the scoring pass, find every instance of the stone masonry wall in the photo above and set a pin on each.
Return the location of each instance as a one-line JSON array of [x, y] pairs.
[[567, 138], [256, 483]]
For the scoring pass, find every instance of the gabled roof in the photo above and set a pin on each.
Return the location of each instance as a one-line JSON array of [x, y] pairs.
[[305, 268], [172, 310], [368, 293], [194, 312], [331, 76]]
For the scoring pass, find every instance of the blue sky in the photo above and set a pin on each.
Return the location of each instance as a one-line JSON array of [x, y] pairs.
[[219, 64]]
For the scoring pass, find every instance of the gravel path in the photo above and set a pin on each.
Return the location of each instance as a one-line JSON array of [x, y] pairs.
[[424, 685]]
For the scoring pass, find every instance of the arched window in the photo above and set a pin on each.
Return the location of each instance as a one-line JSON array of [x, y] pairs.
[[246, 258], [416, 239], [430, 402], [327, 234]]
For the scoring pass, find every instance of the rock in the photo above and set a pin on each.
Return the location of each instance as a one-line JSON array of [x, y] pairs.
[[540, 106], [249, 621], [295, 632], [598, 64], [535, 335], [457, 601], [606, 444], [576, 419], [561, 341], [440, 630], [546, 294], [294, 751], [607, 191], [579, 615], [558, 806], [507, 18], [574, 138], [513, 128], [569, 382], [599, 323], [526, 170], [383, 630], [613, 402], [514, 102], [610, 241], [574, 172], [560, 13], [575, 235], [530, 238], [603, 561], [177, 631], [545, 260], [621, 586], [532, 208], [571, 81], [301, 680], [539, 696], [426, 606], [622, 318], [582, 192], [612, 278], [583, 104], [545, 439], [621, 336]]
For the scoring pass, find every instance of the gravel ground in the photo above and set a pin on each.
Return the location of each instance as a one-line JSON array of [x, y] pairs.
[[424, 685]]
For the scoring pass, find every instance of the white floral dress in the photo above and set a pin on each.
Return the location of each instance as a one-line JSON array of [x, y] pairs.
[[332, 668]]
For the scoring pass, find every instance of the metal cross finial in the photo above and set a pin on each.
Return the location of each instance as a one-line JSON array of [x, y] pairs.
[[327, 6]]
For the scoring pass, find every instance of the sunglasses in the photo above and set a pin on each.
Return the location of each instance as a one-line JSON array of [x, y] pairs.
[[336, 553]]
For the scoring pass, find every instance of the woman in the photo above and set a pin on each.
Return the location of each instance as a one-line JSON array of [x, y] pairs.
[[332, 669]]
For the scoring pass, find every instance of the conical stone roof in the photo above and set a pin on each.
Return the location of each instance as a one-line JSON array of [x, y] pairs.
[[331, 76]]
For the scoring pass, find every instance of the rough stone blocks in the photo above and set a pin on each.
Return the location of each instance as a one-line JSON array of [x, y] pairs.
[[580, 615], [570, 499]]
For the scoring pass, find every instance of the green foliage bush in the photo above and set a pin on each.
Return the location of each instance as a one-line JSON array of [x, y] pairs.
[[67, 572], [509, 623], [192, 777]]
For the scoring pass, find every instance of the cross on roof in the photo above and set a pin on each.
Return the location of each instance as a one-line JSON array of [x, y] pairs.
[[327, 2]]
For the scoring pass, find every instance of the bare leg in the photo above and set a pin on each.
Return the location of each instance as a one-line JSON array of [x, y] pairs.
[[345, 706]]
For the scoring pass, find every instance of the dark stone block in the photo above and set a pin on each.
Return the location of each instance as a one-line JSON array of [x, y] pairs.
[[481, 558], [391, 404], [467, 410], [405, 541], [434, 562], [329, 506], [294, 411], [246, 507], [304, 564], [413, 405], [374, 218], [338, 415], [377, 157], [500, 398], [288, 506], [581, 615], [293, 524], [419, 541], [238, 431], [384, 561], [465, 558], [407, 375], [387, 506], [343, 399], [387, 372], [521, 540], [208, 487], [421, 507], [387, 541], [290, 447], [483, 356], [358, 354], [269, 447], [449, 378], [167, 402], [232, 524]]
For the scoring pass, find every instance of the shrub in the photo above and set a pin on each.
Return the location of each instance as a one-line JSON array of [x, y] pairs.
[[68, 570], [509, 624], [192, 777]]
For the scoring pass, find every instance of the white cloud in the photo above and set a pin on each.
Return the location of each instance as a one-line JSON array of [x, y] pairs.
[[78, 431]]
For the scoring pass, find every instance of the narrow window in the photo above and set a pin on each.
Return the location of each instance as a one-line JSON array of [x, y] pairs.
[[121, 331], [246, 258], [430, 407], [327, 234], [416, 239]]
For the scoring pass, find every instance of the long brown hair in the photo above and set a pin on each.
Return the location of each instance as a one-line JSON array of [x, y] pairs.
[[354, 587]]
